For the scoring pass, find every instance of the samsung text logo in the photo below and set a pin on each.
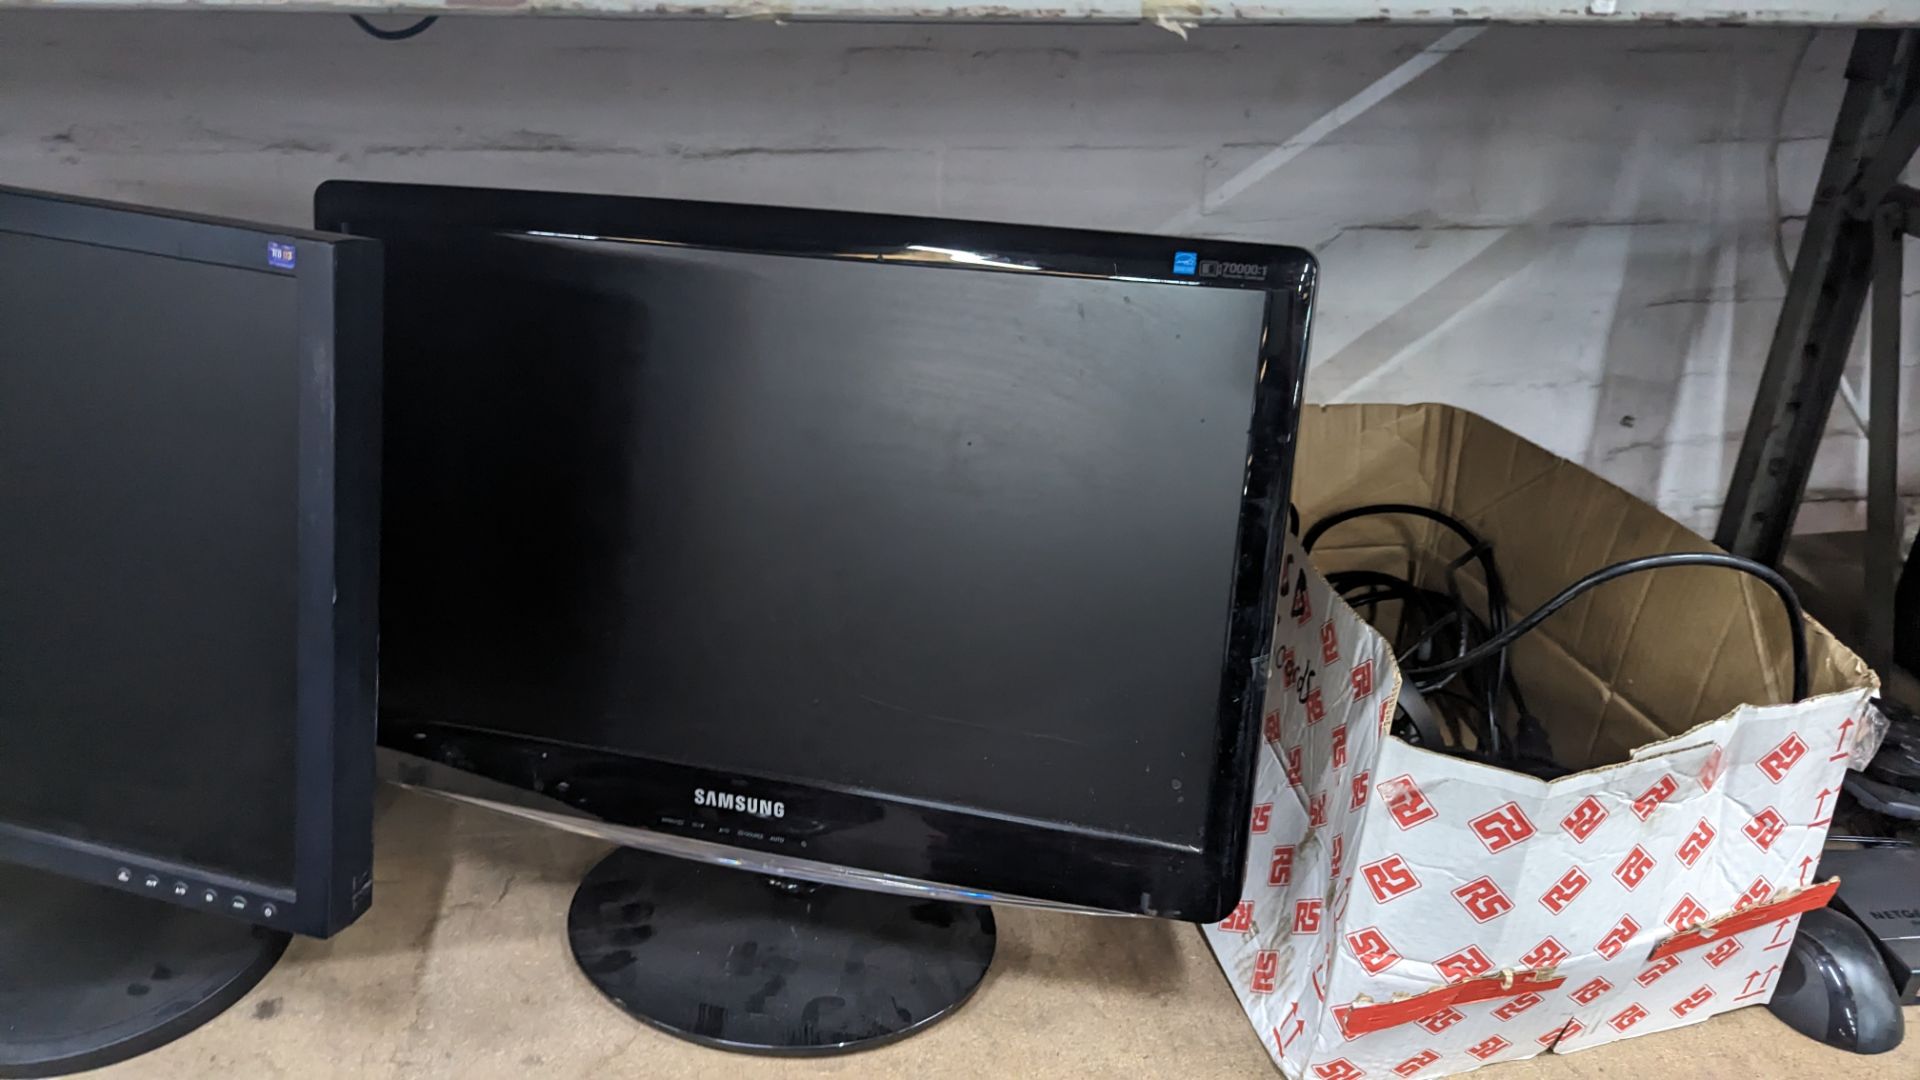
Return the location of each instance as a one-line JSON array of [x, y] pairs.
[[727, 800]]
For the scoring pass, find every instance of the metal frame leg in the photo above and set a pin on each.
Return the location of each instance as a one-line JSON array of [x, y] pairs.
[[1882, 561]]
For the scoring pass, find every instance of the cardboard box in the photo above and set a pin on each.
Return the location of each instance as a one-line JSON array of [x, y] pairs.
[[1413, 914]]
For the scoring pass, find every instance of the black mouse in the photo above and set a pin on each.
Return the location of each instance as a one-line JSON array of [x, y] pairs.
[[1834, 987]]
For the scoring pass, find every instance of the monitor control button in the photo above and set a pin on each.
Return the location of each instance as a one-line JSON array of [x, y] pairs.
[[267, 911], [239, 903], [210, 896], [125, 875], [153, 881], [179, 888]]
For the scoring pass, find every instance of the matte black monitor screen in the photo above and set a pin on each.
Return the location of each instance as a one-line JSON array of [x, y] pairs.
[[936, 535], [172, 674]]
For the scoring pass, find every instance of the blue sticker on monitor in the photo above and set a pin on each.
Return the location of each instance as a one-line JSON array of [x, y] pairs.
[[279, 254], [1185, 262]]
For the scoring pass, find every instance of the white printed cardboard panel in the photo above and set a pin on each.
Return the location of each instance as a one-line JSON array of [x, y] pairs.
[[1379, 871]]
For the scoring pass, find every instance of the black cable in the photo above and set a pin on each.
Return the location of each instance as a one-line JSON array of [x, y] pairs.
[[402, 34], [1796, 619]]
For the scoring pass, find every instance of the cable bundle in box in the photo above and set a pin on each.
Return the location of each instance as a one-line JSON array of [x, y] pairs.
[[1459, 695]]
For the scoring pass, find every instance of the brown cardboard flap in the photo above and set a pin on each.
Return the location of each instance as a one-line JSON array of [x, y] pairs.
[[1633, 661]]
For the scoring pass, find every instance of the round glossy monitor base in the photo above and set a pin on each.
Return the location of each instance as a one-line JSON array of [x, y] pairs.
[[90, 976], [740, 961]]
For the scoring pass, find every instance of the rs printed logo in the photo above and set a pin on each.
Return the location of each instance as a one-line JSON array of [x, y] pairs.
[[1362, 678], [1571, 885], [1293, 766], [1502, 827], [1627, 1017], [1722, 952], [1359, 793], [1756, 893], [1340, 747], [1336, 854], [1329, 643], [1306, 916], [1289, 668], [1338, 1069], [1617, 937], [1660, 967], [1262, 817], [1633, 869], [1686, 914], [1545, 955], [1488, 1047], [1266, 969], [1586, 816], [1650, 799], [1389, 879], [1417, 1062], [1442, 1020], [1696, 843], [1240, 920], [1466, 964], [1280, 867], [1591, 992], [1317, 809], [1765, 828], [1559, 1034], [1693, 1001], [1780, 760], [1406, 803], [1270, 727], [1515, 1006], [1316, 709], [1483, 899], [1370, 947]]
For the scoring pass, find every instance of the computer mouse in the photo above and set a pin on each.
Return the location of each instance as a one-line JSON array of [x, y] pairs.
[[1834, 987]]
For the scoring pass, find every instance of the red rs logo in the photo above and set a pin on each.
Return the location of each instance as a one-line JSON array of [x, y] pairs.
[[1660, 967], [1240, 920], [1545, 955], [1765, 828], [1289, 670], [1650, 799], [1370, 947], [1756, 893], [1262, 817], [1442, 1020], [1617, 937], [1302, 608], [1389, 878], [1316, 710], [1417, 1062], [1270, 727], [1722, 952], [1780, 760], [1488, 1047], [1362, 678], [1686, 914], [1266, 969], [1483, 899], [1280, 868], [1715, 765], [1338, 1068], [1571, 884], [1591, 992], [1329, 643], [1293, 766], [1405, 802], [1359, 793], [1574, 1027], [1502, 827], [1306, 916], [1317, 809], [1693, 1001], [1633, 869], [1466, 964], [1515, 1006], [1627, 1017], [1335, 854], [1586, 817], [1340, 746], [1696, 843]]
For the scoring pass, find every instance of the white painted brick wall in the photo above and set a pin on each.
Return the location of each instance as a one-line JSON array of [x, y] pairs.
[[1566, 230]]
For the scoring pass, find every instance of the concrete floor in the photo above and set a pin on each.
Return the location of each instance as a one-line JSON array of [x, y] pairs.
[[461, 970]]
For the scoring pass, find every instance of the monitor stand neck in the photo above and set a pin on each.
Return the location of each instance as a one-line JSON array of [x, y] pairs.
[[739, 961], [90, 976]]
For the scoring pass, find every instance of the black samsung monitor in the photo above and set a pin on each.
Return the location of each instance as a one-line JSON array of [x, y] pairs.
[[932, 551], [188, 540]]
